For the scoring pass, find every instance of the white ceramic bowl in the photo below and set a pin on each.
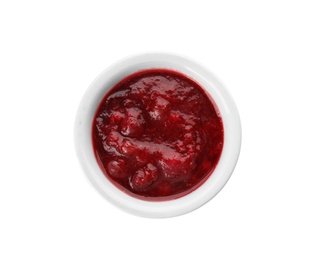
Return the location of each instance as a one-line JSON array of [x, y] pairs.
[[83, 135]]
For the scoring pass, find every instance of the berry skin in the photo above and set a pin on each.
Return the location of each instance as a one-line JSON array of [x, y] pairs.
[[177, 168], [133, 124], [144, 177], [117, 168], [158, 108], [127, 148], [132, 127]]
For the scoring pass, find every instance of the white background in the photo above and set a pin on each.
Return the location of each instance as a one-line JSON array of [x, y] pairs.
[[268, 54]]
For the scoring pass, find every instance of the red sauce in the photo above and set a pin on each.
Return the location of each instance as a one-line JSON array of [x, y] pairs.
[[157, 135]]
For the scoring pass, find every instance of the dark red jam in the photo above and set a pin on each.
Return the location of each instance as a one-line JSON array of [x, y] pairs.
[[157, 135]]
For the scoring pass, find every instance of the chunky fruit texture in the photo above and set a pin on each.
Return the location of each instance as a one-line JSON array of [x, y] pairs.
[[157, 135]]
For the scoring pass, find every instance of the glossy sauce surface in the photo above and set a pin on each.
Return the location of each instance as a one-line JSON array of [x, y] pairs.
[[157, 135]]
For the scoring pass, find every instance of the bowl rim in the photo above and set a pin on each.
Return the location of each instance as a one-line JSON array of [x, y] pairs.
[[226, 106]]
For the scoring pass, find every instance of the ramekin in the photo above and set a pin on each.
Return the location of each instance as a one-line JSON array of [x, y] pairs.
[[157, 209]]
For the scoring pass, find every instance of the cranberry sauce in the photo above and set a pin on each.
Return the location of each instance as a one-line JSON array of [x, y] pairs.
[[157, 135]]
